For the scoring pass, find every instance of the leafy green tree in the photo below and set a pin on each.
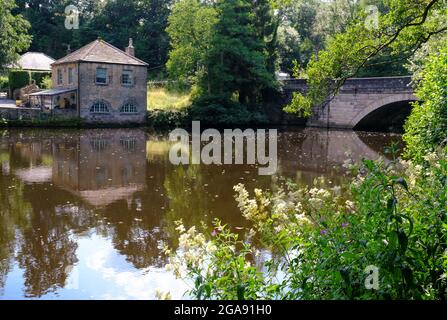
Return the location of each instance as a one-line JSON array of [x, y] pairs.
[[237, 58], [14, 37], [191, 28]]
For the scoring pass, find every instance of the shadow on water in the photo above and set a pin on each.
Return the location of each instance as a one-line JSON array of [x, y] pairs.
[[86, 214]]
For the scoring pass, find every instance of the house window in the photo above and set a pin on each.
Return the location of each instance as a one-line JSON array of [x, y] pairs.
[[101, 76], [60, 79], [99, 107], [129, 108], [127, 78], [70, 75]]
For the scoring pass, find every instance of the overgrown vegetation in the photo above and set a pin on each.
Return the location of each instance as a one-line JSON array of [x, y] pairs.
[[324, 246], [426, 128]]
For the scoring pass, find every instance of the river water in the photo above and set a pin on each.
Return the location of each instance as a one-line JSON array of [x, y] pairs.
[[85, 214]]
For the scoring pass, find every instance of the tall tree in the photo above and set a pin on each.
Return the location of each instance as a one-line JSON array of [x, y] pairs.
[[237, 56], [152, 43], [14, 37]]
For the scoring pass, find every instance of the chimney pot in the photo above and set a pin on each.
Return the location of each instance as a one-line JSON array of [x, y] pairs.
[[130, 50]]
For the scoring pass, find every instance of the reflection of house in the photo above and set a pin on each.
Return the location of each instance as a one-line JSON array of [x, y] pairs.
[[102, 166], [97, 83]]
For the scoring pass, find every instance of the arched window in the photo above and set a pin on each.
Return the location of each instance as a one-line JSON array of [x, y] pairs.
[[128, 108], [99, 107]]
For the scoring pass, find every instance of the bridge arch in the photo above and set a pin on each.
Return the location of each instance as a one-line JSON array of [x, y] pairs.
[[397, 104]]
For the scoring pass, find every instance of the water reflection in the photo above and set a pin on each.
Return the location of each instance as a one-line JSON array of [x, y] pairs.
[[85, 214]]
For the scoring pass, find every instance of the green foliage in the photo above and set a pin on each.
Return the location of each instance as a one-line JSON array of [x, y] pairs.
[[46, 83], [13, 34], [323, 245], [18, 79], [169, 118], [215, 110], [219, 268], [40, 77], [426, 129], [223, 49], [191, 28], [237, 63], [4, 82]]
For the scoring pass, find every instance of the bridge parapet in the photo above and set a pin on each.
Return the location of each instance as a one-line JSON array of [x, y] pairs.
[[359, 85]]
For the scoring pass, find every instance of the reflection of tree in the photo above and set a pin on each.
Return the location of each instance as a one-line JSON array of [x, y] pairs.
[[47, 250], [13, 213], [188, 199], [135, 236], [46, 255]]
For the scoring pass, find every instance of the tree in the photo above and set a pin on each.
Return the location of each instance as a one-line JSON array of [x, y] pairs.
[[47, 19], [401, 31], [191, 28], [237, 58], [14, 37], [152, 43]]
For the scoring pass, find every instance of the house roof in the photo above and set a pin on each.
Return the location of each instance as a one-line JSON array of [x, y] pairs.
[[34, 61], [101, 52]]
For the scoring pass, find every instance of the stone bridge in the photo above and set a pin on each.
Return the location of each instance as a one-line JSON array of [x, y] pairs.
[[362, 103]]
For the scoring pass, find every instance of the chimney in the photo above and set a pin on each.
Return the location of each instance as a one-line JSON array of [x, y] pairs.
[[130, 50], [68, 49]]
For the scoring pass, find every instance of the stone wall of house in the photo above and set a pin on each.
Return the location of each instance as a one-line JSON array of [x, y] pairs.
[[113, 94], [65, 70]]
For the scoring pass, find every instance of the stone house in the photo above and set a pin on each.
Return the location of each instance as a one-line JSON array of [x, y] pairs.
[[98, 83]]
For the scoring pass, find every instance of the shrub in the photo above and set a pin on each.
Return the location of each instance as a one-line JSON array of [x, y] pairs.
[[220, 111], [324, 242], [169, 118], [18, 79]]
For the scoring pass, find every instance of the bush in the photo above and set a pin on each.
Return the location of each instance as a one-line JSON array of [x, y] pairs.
[[169, 118], [18, 79], [426, 129], [323, 246], [219, 111]]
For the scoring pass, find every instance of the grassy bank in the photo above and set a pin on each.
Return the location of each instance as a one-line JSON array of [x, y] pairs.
[[165, 98]]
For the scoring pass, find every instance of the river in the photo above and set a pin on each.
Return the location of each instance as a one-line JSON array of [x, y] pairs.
[[85, 214]]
